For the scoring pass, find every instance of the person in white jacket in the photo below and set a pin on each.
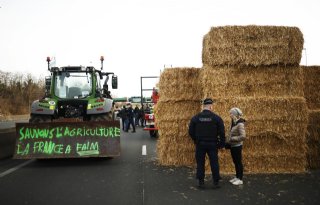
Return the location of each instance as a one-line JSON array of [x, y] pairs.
[[235, 139]]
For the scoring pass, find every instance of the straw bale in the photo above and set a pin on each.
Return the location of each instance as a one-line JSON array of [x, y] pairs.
[[252, 45], [313, 139], [265, 163], [274, 126], [264, 108], [275, 144], [173, 151], [313, 154], [178, 150], [263, 81], [285, 117], [180, 84], [313, 133], [173, 128], [176, 110], [275, 164], [311, 76]]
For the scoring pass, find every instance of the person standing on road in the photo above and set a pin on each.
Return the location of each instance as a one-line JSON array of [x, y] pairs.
[[123, 116], [147, 110], [130, 113], [136, 115], [235, 139], [207, 131], [141, 116]]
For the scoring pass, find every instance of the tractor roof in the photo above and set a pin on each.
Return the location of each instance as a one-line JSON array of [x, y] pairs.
[[73, 68]]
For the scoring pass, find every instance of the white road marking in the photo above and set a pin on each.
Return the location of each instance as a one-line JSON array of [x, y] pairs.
[[9, 171], [144, 149]]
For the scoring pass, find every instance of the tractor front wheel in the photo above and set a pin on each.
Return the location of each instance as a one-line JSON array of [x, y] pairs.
[[40, 118], [101, 117]]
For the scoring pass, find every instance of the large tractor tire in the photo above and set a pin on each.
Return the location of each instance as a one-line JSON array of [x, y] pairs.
[[40, 118], [153, 133], [101, 117]]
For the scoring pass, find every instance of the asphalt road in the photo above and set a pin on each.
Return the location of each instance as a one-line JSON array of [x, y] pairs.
[[134, 178]]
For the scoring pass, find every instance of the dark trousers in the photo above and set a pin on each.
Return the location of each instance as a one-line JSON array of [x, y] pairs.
[[131, 122], [136, 120], [203, 148], [236, 153], [142, 121], [124, 123]]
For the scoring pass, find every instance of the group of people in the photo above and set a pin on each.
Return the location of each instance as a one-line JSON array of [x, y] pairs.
[[133, 117], [208, 133]]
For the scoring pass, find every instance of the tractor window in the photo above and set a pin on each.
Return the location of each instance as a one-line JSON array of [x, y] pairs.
[[73, 85], [98, 81]]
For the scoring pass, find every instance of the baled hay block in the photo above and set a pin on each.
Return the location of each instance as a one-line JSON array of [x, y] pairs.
[[286, 129], [282, 116], [178, 84], [262, 164], [313, 133], [171, 153], [252, 45], [264, 108], [313, 139], [275, 164], [262, 81], [313, 154], [275, 144], [177, 158], [174, 128], [173, 110], [176, 144], [312, 86]]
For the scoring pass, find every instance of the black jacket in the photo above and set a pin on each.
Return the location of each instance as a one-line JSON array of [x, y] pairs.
[[130, 113], [207, 127]]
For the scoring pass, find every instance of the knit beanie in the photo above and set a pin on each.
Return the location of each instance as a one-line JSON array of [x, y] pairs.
[[236, 112]]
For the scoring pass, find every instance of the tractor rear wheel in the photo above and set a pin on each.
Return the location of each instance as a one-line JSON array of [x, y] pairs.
[[153, 133]]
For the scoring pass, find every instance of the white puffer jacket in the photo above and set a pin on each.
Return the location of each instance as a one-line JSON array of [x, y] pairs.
[[237, 134]]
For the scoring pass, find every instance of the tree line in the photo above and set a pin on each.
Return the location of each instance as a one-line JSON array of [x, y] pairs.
[[18, 91]]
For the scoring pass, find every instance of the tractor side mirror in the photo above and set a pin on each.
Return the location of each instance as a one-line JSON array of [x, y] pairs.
[[48, 84], [114, 82]]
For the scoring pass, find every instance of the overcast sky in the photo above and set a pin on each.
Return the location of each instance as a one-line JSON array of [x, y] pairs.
[[136, 37]]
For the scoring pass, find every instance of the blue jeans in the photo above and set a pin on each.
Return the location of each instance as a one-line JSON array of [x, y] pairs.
[[210, 148], [130, 122], [124, 123]]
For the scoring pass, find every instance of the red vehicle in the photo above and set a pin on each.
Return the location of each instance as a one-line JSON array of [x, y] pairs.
[[150, 118]]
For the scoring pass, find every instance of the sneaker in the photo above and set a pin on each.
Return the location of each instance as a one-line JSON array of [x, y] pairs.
[[233, 180], [237, 182]]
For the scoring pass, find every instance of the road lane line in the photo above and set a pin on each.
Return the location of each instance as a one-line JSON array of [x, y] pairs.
[[9, 171], [144, 149]]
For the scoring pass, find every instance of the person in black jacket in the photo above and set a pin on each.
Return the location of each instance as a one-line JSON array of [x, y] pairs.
[[136, 115], [141, 116], [123, 115], [130, 114], [207, 131]]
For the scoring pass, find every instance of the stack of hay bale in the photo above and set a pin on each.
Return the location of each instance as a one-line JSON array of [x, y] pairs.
[[312, 95], [256, 68], [180, 91]]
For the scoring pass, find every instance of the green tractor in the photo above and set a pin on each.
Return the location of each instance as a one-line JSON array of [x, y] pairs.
[[76, 111], [75, 92]]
